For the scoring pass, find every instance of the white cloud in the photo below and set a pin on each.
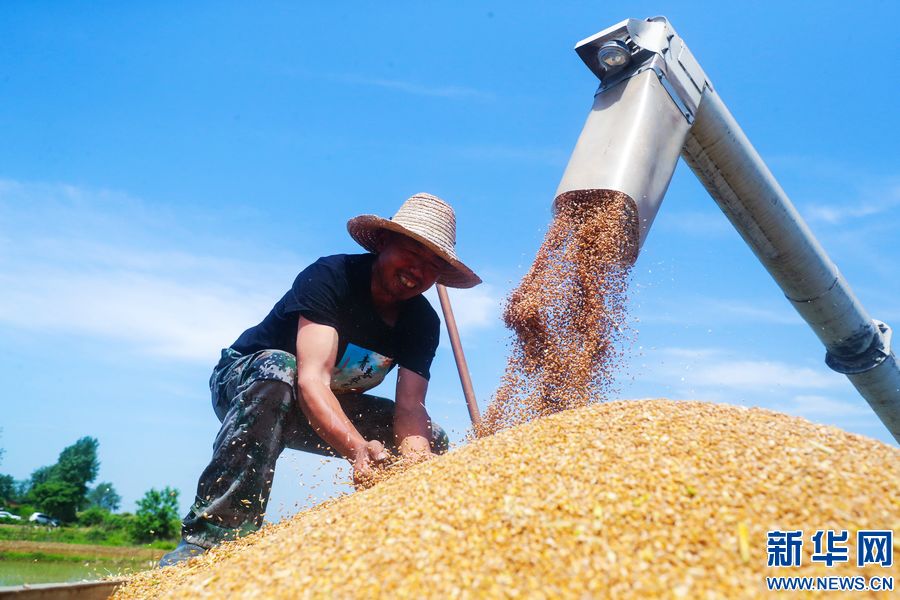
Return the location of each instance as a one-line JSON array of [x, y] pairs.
[[690, 354], [754, 313], [709, 223], [836, 215], [474, 308], [553, 157], [159, 315], [101, 264], [417, 89], [760, 374], [717, 369], [724, 376], [870, 200], [811, 406], [701, 310]]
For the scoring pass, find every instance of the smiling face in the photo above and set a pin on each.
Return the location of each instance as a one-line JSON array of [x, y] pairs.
[[404, 269]]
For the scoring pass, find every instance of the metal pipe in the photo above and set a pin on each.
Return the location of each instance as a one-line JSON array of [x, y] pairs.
[[461, 366], [724, 160], [630, 143], [627, 145]]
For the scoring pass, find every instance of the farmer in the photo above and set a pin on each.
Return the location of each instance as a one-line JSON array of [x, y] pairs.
[[298, 379]]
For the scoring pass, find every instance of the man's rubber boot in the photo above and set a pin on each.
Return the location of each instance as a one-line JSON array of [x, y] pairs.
[[181, 553]]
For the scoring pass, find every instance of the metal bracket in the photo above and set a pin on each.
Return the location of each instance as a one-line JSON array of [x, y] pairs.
[[877, 352], [654, 45]]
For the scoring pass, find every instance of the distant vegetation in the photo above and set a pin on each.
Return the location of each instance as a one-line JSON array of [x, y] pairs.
[[88, 514]]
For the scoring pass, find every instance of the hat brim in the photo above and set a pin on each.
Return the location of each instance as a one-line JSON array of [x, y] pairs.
[[366, 230]]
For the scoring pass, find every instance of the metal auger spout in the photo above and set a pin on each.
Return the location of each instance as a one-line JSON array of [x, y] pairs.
[[655, 103]]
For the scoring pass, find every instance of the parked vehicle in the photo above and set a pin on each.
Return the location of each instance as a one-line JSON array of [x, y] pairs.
[[5, 514], [43, 519]]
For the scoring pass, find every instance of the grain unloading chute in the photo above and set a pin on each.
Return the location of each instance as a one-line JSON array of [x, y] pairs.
[[655, 103]]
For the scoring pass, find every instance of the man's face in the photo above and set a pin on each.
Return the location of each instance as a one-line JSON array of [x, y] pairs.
[[406, 268]]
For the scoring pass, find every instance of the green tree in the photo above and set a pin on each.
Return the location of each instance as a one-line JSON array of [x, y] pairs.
[[93, 516], [7, 484], [78, 463], [157, 516], [7, 490], [41, 475], [22, 487], [59, 499], [104, 496], [61, 489]]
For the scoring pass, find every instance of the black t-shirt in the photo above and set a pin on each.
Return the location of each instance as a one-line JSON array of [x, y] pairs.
[[336, 291]]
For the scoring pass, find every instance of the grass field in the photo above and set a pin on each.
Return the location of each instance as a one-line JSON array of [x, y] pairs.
[[74, 534]]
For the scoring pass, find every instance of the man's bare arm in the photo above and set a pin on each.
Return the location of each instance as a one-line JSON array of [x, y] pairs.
[[316, 354], [412, 426]]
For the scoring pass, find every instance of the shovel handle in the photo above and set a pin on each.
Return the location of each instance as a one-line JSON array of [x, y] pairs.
[[461, 365]]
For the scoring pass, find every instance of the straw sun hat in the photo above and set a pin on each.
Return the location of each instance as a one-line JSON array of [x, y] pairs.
[[426, 219]]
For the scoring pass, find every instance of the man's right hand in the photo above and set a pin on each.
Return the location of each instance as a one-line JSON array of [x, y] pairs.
[[366, 459]]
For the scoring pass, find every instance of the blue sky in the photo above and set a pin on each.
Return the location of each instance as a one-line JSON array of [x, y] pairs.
[[166, 170]]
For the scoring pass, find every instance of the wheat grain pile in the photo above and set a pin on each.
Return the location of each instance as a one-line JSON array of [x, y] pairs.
[[628, 499], [568, 315]]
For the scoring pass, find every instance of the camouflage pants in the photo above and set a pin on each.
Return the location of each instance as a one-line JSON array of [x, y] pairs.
[[254, 397]]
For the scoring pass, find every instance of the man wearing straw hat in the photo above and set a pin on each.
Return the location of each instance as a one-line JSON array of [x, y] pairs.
[[298, 379]]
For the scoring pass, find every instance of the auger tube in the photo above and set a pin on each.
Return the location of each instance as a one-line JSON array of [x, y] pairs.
[[654, 97]]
